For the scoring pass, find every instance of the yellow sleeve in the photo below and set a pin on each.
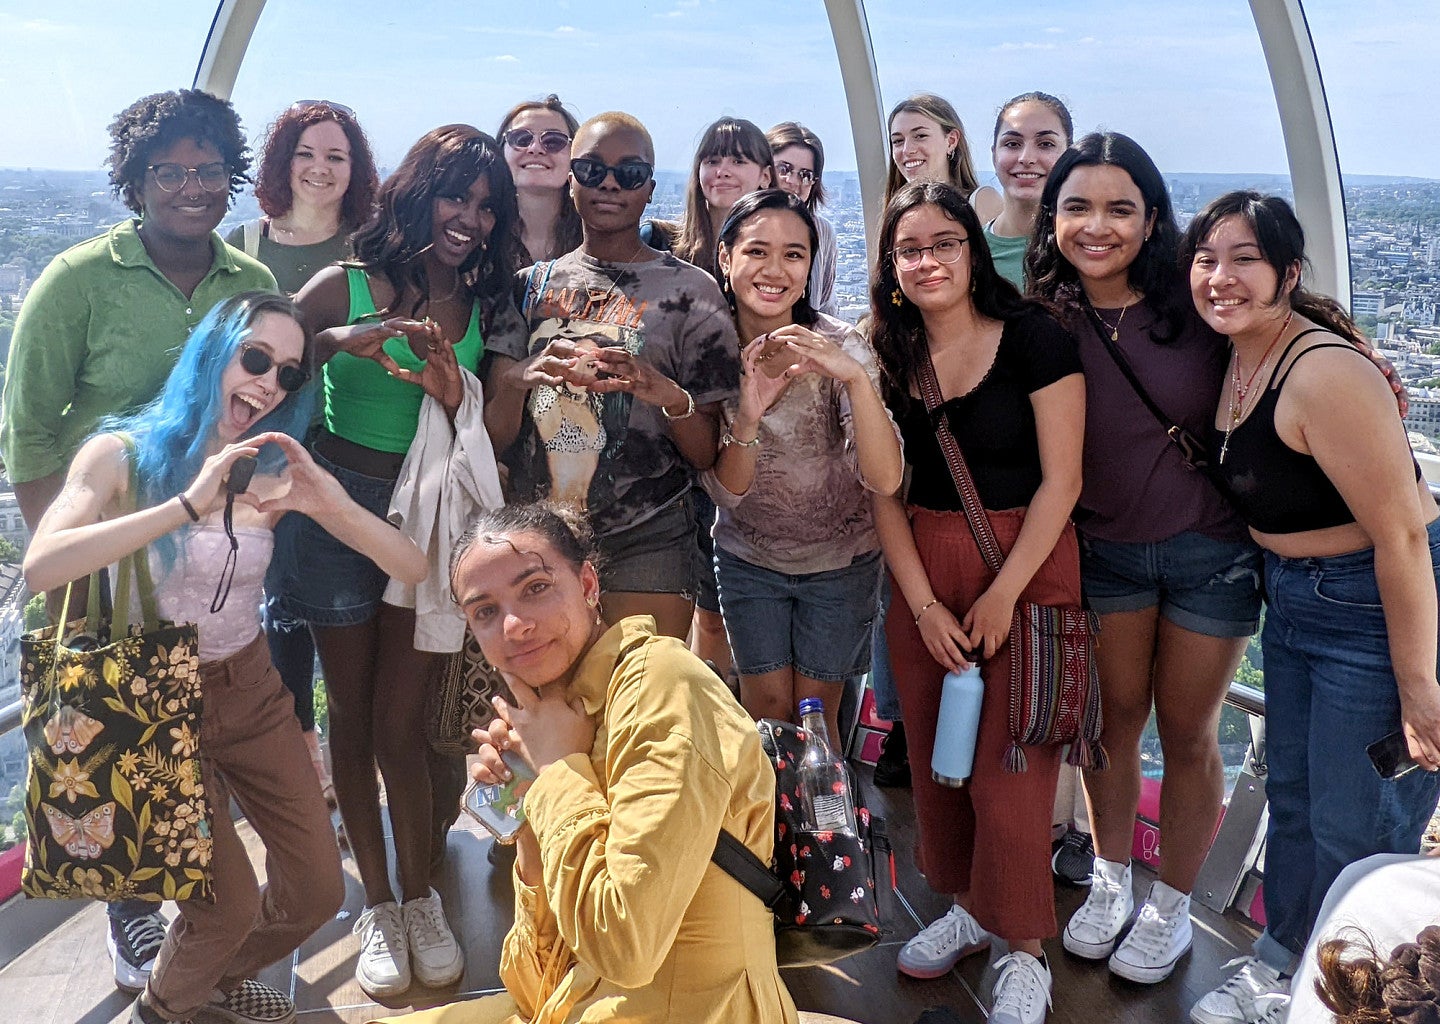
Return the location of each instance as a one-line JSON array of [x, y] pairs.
[[622, 861], [529, 946]]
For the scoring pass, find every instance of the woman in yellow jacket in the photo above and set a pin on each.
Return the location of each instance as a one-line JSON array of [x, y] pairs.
[[641, 757]]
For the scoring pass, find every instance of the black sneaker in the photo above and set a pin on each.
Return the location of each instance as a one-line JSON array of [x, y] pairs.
[[250, 1002], [133, 945], [1074, 860], [892, 769]]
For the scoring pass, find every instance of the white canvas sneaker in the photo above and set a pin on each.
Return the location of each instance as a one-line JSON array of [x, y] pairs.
[[435, 956], [1022, 991], [1161, 936], [1255, 994], [383, 967], [1093, 929], [943, 943]]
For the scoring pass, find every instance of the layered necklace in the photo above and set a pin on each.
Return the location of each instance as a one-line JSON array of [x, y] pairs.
[[1240, 391]]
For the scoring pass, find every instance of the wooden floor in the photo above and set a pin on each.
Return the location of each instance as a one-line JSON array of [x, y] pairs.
[[63, 975]]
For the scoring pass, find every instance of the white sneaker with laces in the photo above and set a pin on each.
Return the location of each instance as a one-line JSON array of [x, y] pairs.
[[1161, 936], [1093, 929], [434, 953], [383, 967], [1255, 994], [942, 944], [1022, 991]]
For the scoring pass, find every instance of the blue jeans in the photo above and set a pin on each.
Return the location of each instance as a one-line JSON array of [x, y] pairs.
[[882, 679], [1330, 691], [292, 650]]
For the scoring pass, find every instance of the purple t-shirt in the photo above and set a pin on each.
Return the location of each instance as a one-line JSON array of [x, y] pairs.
[[1137, 487]]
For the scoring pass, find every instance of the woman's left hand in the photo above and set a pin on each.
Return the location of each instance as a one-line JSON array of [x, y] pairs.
[[303, 486], [545, 728], [623, 371], [818, 354], [440, 376], [1420, 714], [987, 623]]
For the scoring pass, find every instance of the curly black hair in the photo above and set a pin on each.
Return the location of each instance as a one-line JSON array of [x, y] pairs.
[[154, 122]]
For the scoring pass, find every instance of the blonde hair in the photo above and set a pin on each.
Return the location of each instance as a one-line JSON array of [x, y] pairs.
[[939, 110]]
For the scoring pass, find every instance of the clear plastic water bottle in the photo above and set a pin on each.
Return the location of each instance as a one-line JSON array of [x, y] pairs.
[[824, 782], [959, 724]]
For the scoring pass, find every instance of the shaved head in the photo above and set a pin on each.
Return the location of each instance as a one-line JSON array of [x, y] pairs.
[[610, 122]]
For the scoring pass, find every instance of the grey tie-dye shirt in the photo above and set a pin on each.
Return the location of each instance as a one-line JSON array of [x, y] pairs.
[[808, 509], [608, 453]]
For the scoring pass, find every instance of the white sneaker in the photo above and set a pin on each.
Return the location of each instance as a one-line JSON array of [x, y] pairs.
[[434, 953], [943, 943], [1093, 929], [383, 968], [1161, 936], [1255, 994], [1022, 991]]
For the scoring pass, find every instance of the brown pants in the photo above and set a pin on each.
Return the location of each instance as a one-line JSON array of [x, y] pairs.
[[991, 837], [252, 750]]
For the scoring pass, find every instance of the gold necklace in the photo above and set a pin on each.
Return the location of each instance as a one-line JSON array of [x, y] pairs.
[[1115, 328], [1240, 393]]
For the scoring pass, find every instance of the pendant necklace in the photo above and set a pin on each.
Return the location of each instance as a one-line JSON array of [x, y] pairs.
[[615, 281], [1115, 329], [1240, 392]]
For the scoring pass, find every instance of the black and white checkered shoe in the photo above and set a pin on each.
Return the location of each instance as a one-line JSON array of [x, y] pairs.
[[252, 1003]]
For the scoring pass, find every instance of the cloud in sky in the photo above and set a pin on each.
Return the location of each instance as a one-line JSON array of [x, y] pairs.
[[1187, 78]]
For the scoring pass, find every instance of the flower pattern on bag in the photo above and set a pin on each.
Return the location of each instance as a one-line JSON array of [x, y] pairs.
[[115, 801]]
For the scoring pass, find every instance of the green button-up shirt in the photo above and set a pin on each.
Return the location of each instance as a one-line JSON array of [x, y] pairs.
[[97, 335]]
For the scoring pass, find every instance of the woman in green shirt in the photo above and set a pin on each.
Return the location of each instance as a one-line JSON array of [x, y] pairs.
[[440, 247]]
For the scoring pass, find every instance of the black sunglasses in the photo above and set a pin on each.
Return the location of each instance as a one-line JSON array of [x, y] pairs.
[[551, 141], [257, 363], [630, 175]]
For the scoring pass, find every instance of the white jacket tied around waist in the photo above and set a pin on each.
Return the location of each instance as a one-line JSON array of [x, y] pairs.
[[449, 474]]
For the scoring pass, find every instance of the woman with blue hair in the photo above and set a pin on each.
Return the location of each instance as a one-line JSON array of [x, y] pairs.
[[158, 478]]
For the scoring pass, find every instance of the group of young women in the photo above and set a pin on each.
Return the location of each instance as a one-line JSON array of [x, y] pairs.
[[504, 300]]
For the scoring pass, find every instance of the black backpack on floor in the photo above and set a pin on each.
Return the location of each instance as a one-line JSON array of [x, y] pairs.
[[823, 888]]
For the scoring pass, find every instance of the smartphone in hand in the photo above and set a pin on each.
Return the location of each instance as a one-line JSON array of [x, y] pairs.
[[500, 809]]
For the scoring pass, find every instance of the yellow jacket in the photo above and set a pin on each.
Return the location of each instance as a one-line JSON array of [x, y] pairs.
[[633, 922]]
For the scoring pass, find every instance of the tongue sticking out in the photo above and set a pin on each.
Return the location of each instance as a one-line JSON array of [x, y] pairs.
[[242, 412]]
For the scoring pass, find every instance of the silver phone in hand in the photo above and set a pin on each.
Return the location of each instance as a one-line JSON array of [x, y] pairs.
[[500, 808]]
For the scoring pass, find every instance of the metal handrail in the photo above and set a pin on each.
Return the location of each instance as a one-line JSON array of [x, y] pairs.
[[9, 717], [1247, 699]]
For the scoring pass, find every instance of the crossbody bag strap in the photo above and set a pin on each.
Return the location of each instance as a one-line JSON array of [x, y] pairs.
[[1166, 422], [985, 539], [735, 859], [135, 565]]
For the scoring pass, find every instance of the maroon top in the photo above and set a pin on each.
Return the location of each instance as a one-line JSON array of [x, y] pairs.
[[1137, 487]]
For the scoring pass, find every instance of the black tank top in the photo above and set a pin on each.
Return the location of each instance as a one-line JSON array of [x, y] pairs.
[[1275, 488]]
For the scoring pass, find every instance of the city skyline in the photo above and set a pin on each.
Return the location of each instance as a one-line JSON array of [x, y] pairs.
[[1194, 89]]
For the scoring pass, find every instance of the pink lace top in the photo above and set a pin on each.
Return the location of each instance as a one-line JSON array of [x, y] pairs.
[[185, 592]]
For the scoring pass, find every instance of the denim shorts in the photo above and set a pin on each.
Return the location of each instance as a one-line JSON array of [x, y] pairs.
[[819, 622], [1201, 584], [657, 556], [313, 577]]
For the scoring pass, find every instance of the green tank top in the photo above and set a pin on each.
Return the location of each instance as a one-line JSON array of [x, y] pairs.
[[1009, 256], [365, 404]]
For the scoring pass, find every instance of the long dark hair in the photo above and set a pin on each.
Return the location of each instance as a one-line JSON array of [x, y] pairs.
[[445, 161], [897, 330], [272, 183], [694, 240], [1282, 245], [757, 202], [1153, 273], [566, 232], [791, 133]]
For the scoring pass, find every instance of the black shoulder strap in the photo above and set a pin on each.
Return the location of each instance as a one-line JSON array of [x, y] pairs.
[[735, 859], [1278, 384], [1165, 421]]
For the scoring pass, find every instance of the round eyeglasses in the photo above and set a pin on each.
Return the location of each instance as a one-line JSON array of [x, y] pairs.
[[947, 251], [172, 177]]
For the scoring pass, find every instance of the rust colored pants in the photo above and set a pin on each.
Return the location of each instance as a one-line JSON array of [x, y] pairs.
[[991, 837], [251, 749]]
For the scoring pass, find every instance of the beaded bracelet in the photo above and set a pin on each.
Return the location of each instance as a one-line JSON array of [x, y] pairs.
[[926, 608]]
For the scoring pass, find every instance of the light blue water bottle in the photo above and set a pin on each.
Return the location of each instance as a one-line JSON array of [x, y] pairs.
[[955, 732]]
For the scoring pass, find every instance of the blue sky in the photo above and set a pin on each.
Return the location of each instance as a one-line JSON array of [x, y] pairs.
[[1184, 77]]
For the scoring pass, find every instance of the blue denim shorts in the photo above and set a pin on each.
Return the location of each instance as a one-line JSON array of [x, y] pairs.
[[657, 556], [316, 579], [819, 622], [1201, 584]]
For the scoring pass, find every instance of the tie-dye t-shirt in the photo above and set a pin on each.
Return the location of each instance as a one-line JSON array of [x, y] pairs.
[[608, 453]]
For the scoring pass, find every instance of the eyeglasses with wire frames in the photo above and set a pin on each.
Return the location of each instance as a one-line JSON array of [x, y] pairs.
[[785, 169], [551, 140], [629, 175], [946, 251], [257, 362], [213, 177]]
